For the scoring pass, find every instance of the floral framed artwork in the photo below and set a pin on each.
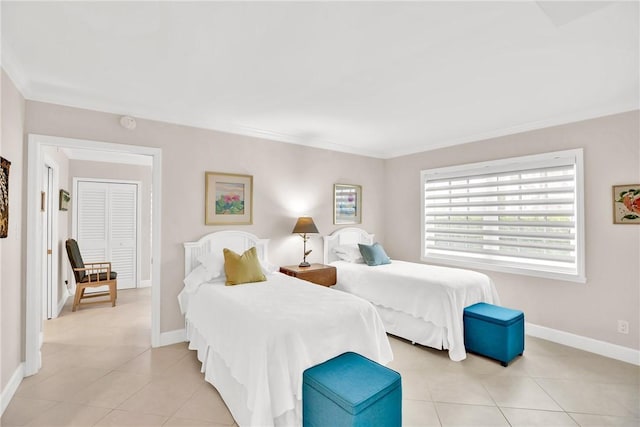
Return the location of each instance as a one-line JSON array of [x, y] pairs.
[[5, 165], [347, 204], [228, 199], [626, 204], [64, 201]]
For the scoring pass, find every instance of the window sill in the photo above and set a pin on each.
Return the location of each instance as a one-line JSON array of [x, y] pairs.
[[523, 271]]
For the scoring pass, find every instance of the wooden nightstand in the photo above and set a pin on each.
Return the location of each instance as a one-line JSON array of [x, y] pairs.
[[319, 274]]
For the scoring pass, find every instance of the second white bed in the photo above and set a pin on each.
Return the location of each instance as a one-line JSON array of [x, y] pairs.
[[419, 302]]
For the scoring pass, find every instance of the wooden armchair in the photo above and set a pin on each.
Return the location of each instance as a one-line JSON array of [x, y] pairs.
[[91, 275]]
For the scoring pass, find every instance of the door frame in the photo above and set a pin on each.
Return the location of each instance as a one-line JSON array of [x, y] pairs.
[[52, 212], [74, 216], [33, 309]]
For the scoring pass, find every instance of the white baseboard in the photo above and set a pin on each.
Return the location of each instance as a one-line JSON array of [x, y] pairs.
[[62, 302], [145, 284], [11, 388], [172, 337], [591, 345]]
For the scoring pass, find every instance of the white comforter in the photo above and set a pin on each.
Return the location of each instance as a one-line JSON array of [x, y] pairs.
[[268, 333], [432, 293]]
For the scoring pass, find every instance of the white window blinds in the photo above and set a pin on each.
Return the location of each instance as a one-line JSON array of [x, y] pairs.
[[518, 215]]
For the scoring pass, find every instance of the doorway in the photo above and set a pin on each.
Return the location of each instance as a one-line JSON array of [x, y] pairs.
[[106, 225], [35, 260]]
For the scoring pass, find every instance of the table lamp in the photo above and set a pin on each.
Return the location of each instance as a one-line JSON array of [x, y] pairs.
[[303, 226]]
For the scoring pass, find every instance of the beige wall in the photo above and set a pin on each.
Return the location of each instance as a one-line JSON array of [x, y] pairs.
[[611, 156], [288, 180], [12, 249], [105, 170]]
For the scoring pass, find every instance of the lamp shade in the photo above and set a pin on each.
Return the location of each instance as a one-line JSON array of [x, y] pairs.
[[305, 225]]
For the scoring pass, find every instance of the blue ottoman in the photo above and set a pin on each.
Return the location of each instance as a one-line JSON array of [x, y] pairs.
[[493, 331], [351, 390]]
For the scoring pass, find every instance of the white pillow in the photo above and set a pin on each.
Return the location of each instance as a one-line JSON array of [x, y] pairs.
[[349, 253], [194, 279], [214, 263], [268, 268], [192, 282]]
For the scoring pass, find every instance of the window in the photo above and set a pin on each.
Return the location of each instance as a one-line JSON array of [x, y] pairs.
[[521, 215]]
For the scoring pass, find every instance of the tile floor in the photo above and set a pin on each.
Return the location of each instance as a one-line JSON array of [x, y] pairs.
[[99, 370]]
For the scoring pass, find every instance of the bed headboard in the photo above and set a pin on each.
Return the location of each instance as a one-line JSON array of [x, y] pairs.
[[237, 241], [344, 236]]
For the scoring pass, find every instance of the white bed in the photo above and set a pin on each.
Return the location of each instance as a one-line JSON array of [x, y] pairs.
[[419, 302], [255, 340]]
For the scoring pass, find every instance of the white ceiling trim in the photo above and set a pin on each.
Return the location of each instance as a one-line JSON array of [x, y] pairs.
[[525, 127], [67, 98], [14, 71], [328, 145]]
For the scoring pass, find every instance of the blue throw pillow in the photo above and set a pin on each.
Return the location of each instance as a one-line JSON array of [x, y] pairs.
[[374, 254]]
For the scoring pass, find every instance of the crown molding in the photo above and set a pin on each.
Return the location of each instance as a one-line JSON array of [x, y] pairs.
[[525, 127], [70, 98], [14, 71]]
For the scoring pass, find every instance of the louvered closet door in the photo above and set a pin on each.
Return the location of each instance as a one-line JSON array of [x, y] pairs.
[[107, 227]]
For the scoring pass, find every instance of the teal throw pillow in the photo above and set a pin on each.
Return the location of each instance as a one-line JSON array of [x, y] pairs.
[[374, 254]]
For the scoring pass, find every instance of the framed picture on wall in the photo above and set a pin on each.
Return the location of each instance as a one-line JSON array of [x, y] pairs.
[[626, 204], [65, 199], [4, 197], [228, 199], [347, 204]]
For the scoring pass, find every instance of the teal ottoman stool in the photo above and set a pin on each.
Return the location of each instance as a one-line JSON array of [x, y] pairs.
[[351, 390], [494, 331]]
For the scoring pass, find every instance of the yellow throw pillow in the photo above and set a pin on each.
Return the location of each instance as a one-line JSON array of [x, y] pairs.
[[243, 268]]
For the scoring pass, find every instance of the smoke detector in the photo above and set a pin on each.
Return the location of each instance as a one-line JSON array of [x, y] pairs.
[[128, 122]]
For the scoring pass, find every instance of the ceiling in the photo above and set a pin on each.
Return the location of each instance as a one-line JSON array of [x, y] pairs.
[[382, 79]]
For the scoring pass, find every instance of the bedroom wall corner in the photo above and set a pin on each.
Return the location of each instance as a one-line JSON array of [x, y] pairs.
[[611, 157], [12, 274]]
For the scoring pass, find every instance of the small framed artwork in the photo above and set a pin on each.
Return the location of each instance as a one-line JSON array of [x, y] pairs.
[[347, 204], [626, 204], [65, 199], [5, 165], [228, 199]]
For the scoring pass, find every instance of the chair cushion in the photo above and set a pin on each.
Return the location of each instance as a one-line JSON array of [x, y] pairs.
[[73, 252], [102, 276]]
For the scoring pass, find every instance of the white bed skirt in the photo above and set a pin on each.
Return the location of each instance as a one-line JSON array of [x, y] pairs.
[[413, 329], [234, 394]]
